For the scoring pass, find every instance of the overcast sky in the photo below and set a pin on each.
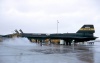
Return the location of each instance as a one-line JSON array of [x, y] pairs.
[[40, 16]]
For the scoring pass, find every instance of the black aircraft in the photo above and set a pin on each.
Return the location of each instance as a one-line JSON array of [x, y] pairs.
[[85, 33]]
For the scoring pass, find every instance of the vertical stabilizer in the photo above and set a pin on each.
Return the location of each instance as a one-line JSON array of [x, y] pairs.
[[21, 31], [86, 29]]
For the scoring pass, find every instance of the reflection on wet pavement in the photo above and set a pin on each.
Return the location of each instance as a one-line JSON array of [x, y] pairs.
[[50, 54], [61, 49], [83, 52]]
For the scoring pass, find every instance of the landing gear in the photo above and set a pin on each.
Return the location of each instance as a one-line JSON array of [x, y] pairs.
[[68, 43]]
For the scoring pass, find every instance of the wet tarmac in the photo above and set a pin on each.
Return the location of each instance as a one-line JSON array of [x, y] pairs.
[[49, 53]]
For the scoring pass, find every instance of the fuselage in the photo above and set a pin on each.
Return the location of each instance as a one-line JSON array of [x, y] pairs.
[[65, 36]]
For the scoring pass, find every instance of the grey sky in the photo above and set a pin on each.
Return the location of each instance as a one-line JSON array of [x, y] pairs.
[[40, 16]]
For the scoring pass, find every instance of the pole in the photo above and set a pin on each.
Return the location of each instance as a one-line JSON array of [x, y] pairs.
[[57, 26]]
